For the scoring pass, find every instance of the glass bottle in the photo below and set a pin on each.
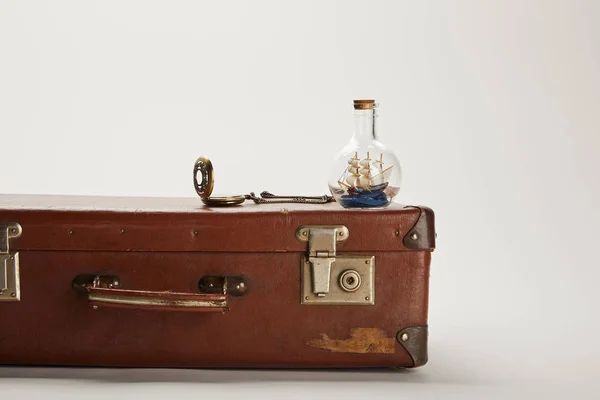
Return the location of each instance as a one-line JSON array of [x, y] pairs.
[[365, 174]]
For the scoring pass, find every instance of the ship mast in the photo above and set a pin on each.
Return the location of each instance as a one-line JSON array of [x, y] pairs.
[[380, 161], [383, 175], [364, 179]]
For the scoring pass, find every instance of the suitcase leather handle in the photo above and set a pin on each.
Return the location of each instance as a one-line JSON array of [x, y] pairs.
[[159, 301], [104, 291]]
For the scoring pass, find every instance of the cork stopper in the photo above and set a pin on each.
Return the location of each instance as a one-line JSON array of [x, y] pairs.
[[364, 104]]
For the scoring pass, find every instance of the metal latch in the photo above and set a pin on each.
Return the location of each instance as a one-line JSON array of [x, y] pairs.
[[9, 263], [352, 276], [321, 252]]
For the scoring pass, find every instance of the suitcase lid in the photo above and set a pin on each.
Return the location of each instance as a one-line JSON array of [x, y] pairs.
[[86, 223]]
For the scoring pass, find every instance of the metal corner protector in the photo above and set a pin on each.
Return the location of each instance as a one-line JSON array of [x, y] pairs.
[[414, 340]]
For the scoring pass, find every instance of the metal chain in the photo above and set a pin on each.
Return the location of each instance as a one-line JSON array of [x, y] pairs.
[[267, 197]]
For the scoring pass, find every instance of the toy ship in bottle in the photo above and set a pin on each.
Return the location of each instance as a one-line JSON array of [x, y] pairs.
[[370, 173]]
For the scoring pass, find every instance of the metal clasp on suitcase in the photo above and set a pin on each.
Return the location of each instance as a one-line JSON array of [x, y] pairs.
[[9, 263], [331, 279]]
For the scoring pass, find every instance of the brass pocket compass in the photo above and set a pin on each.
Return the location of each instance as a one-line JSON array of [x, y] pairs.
[[204, 188]]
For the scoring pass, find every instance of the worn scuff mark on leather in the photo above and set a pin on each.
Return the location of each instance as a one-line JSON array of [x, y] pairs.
[[361, 340]]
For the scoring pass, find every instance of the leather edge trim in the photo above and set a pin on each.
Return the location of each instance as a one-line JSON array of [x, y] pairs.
[[414, 340], [422, 235]]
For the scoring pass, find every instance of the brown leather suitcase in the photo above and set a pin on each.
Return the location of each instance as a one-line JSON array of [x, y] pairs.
[[172, 283]]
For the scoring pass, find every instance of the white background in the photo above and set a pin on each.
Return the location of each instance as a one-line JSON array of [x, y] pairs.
[[493, 108]]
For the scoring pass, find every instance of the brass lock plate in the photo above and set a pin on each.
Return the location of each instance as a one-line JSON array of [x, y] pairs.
[[9, 263], [351, 282]]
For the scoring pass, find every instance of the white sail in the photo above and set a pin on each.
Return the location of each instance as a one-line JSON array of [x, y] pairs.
[[365, 172], [382, 177], [365, 163], [351, 180], [354, 160], [353, 170], [364, 182]]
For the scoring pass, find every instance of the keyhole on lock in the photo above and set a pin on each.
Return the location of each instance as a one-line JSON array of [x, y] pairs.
[[349, 280]]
